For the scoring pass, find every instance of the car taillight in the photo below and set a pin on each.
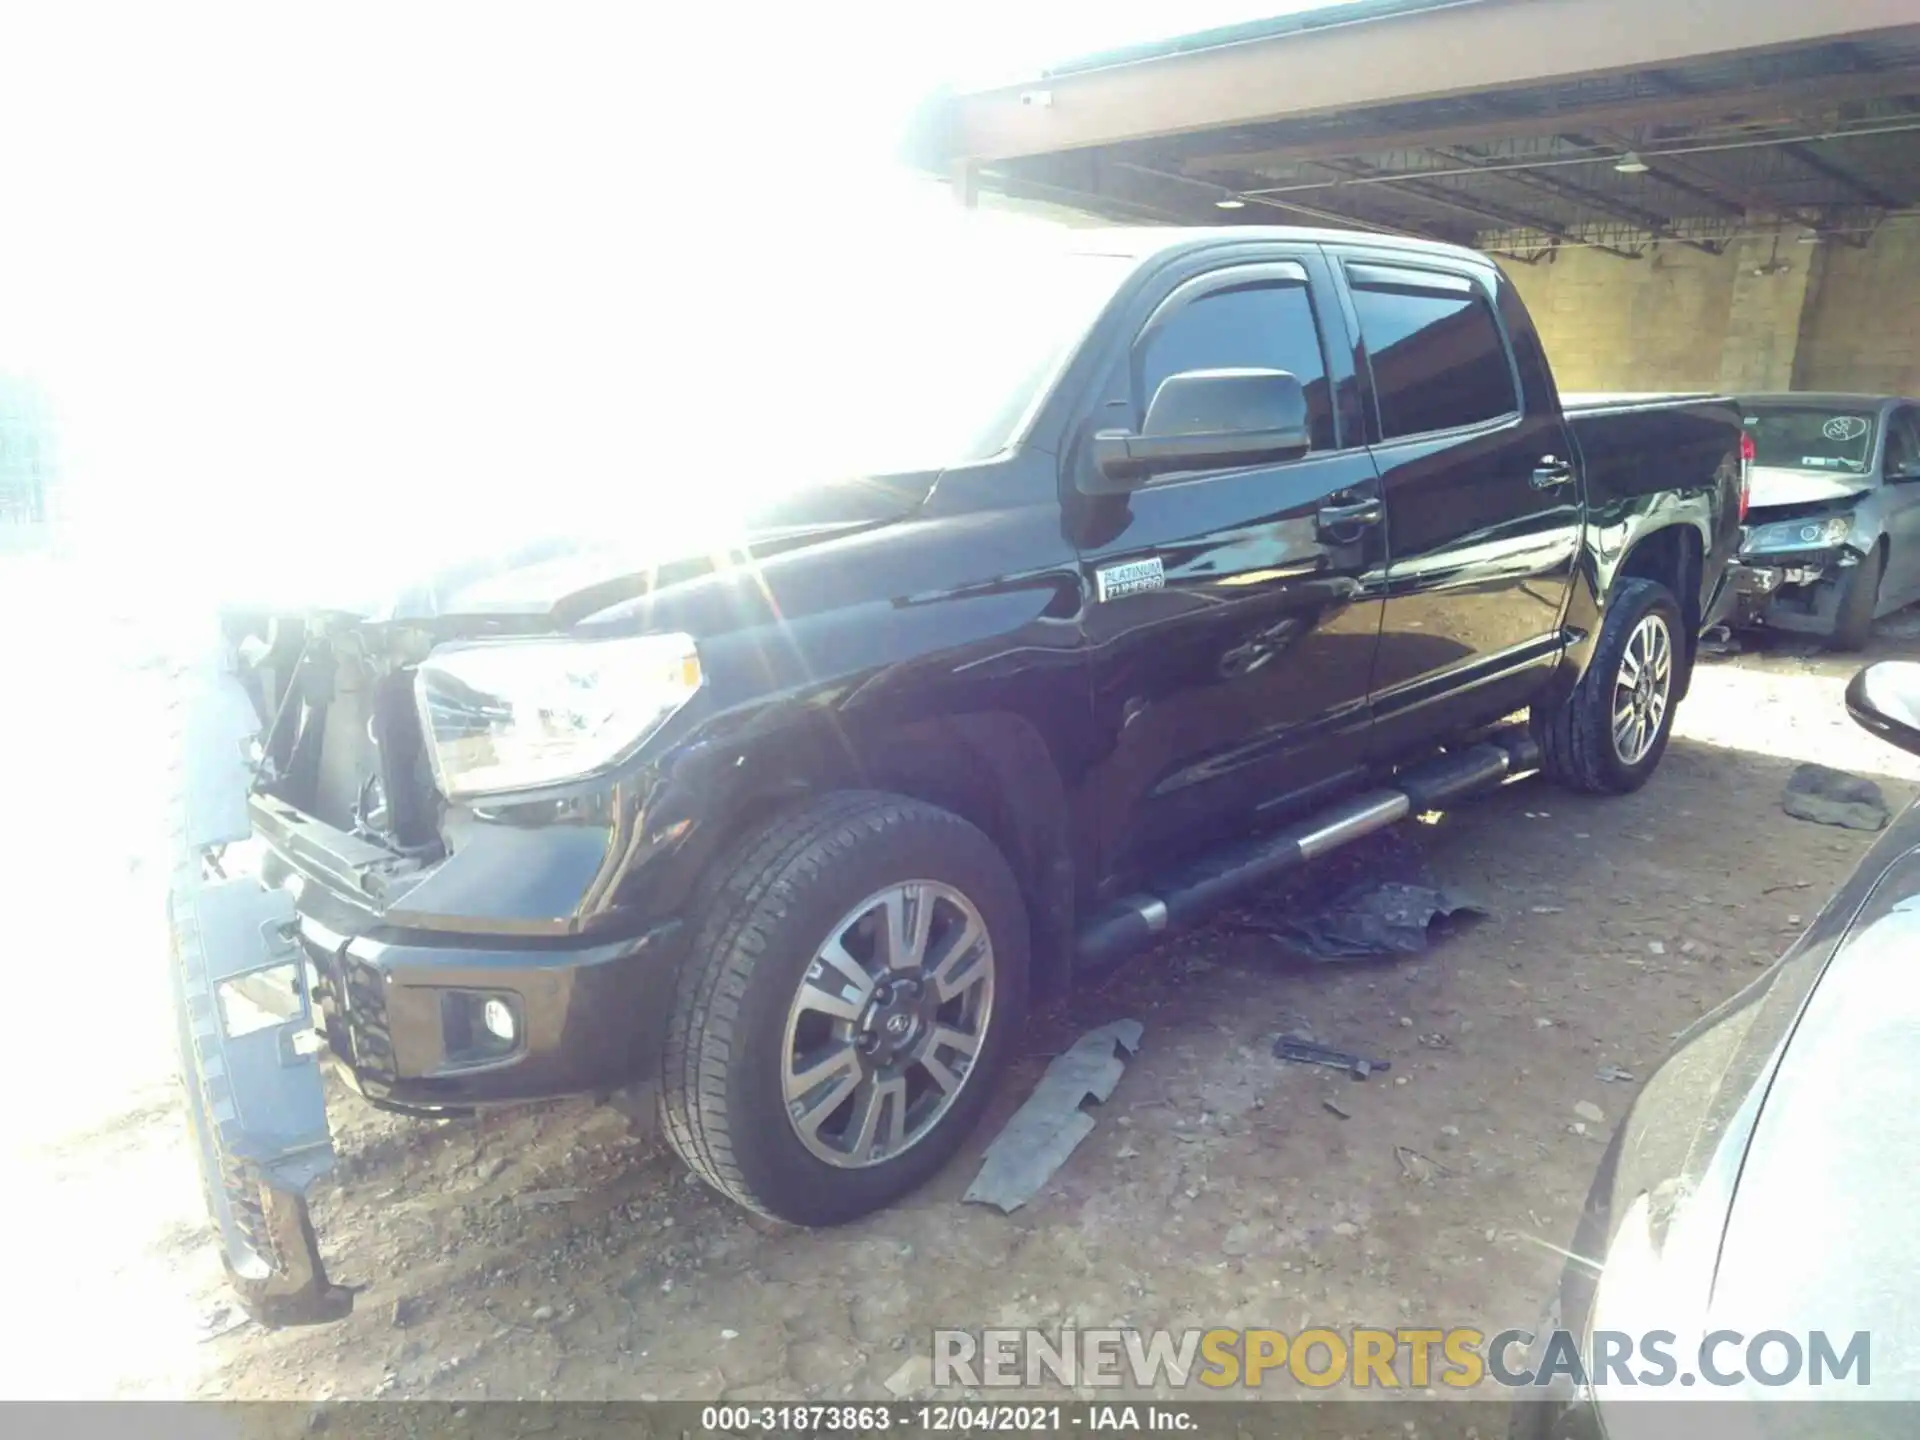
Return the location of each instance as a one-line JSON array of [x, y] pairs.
[[1747, 452]]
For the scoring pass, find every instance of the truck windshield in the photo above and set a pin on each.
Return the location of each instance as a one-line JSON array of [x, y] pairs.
[[1811, 438], [930, 359]]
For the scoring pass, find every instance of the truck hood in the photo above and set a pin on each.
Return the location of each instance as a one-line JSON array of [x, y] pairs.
[[1774, 486], [554, 574]]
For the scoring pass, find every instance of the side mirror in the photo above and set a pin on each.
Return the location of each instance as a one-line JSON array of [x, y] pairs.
[[1885, 699], [1208, 419]]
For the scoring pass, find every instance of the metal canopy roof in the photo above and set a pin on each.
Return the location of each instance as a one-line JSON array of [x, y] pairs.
[[1500, 123]]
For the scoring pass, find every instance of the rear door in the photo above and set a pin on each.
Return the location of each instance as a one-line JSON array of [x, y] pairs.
[[1231, 614], [1482, 495]]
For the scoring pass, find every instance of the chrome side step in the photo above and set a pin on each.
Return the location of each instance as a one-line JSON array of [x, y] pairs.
[[1191, 894]]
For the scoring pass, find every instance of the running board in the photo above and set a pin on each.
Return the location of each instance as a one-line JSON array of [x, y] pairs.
[[1191, 894]]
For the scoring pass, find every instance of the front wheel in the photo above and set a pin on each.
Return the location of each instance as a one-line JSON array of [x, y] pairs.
[[855, 983], [1859, 597], [1609, 735]]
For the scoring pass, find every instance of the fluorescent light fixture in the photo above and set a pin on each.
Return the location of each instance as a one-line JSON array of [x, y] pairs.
[[1631, 164], [1232, 202]]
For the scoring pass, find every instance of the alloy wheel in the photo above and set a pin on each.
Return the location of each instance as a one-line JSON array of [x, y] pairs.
[[1641, 689], [887, 1022]]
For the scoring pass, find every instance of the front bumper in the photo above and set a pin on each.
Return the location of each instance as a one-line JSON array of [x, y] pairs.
[[404, 1017], [1796, 590], [310, 946]]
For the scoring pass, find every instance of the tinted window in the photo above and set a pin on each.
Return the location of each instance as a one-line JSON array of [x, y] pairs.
[[1265, 327], [1438, 359], [1903, 444], [1806, 438]]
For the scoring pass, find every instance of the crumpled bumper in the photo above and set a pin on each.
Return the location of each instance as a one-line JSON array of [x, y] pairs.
[[255, 1098], [1797, 591], [296, 956]]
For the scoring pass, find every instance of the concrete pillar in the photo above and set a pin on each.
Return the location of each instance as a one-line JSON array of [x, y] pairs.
[[1774, 283]]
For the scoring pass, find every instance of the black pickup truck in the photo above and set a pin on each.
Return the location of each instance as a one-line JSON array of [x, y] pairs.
[[1247, 543]]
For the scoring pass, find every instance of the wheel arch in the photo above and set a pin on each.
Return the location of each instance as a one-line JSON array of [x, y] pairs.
[[991, 768], [994, 771], [1671, 555]]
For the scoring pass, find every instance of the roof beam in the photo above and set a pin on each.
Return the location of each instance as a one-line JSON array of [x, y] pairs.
[[1439, 195], [1842, 176], [1390, 60], [1122, 191], [1682, 170], [1584, 154], [1856, 58], [1213, 192], [1783, 101], [1533, 259], [1659, 226], [1701, 192]]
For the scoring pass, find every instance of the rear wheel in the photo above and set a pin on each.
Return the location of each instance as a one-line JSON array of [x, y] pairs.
[[856, 979], [1859, 597], [1609, 735]]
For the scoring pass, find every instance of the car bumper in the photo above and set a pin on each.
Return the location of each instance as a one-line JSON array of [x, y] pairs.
[[404, 1004], [408, 1020], [286, 938], [1795, 590]]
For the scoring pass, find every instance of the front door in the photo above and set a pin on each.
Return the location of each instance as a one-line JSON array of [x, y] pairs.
[[1900, 474], [1230, 615], [1482, 496]]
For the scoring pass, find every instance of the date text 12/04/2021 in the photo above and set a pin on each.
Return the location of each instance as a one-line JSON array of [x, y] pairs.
[[943, 1419]]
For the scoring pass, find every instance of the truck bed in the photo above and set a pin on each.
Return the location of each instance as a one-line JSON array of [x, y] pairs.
[[1589, 401], [1688, 437]]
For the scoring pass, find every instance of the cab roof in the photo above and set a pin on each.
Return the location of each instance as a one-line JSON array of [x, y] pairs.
[[1144, 242]]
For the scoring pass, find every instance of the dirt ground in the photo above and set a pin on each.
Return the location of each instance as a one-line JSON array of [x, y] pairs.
[[550, 1253]]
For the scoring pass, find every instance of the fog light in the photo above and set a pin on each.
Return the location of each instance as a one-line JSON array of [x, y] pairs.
[[498, 1019]]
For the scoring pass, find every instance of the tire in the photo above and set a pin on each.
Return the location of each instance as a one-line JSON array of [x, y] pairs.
[[1859, 596], [741, 1039], [1577, 743]]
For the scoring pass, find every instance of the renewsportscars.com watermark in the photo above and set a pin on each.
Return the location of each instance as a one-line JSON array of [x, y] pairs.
[[1369, 1358]]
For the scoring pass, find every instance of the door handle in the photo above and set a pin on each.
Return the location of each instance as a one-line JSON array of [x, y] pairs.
[[1361, 512], [1550, 472]]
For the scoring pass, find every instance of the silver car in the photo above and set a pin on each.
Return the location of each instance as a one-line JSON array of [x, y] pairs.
[[1832, 536]]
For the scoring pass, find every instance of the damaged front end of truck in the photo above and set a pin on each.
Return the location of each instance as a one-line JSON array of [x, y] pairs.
[[287, 720], [332, 904]]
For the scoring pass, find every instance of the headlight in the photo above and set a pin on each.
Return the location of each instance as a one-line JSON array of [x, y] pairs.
[[511, 714], [1801, 534]]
